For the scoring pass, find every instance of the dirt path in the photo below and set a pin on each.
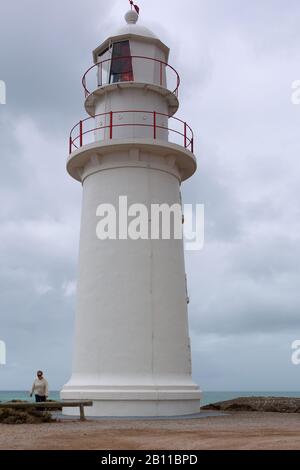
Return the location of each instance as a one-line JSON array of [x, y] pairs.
[[237, 431]]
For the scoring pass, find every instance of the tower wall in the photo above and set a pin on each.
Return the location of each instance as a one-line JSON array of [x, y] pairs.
[[127, 124], [131, 325]]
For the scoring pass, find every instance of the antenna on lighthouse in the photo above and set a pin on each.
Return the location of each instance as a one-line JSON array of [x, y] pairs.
[[137, 9]]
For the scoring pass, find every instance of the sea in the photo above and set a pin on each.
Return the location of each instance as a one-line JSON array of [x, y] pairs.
[[207, 397]]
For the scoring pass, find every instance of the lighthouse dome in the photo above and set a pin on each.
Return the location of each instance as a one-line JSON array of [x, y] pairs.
[[131, 30], [132, 27]]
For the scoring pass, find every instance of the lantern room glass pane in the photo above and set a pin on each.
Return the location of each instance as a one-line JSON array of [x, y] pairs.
[[121, 64], [104, 67]]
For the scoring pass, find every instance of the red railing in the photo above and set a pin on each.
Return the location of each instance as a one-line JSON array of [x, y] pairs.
[[156, 77], [81, 133]]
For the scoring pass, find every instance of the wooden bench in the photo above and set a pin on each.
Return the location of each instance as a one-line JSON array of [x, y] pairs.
[[54, 405]]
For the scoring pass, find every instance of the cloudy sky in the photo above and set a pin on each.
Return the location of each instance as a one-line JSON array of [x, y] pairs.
[[237, 61]]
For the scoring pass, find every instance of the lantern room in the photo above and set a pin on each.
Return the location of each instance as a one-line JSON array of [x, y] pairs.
[[133, 55]]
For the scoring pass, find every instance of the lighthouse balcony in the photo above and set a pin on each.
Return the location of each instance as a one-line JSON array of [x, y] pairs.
[[131, 125], [131, 71]]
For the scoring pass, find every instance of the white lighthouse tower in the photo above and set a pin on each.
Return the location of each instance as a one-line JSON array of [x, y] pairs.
[[132, 347]]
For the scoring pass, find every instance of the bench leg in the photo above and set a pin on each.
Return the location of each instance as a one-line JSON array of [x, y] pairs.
[[82, 417]]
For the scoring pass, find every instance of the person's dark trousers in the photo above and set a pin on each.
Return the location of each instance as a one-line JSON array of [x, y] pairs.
[[40, 399]]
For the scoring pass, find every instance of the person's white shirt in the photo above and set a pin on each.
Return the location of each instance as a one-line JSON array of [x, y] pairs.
[[40, 387]]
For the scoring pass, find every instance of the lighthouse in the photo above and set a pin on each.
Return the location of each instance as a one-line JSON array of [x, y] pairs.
[[132, 352]]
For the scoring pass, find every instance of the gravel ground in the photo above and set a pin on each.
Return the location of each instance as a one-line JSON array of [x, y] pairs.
[[242, 430]]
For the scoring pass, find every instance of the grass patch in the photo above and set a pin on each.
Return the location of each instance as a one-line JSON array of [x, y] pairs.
[[19, 416]]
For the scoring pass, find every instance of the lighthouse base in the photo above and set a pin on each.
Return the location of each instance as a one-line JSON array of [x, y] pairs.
[[146, 403]]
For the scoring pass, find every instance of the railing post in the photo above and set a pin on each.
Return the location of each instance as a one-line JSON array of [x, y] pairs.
[[80, 133], [154, 124], [81, 408], [185, 137], [111, 125], [192, 144], [70, 145]]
